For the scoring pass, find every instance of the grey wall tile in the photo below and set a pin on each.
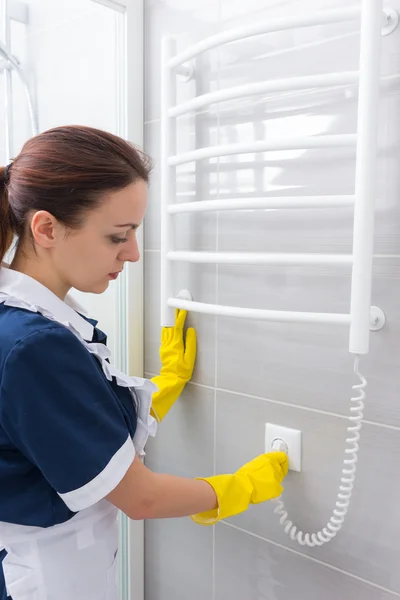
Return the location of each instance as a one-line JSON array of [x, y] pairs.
[[184, 444], [152, 331], [152, 221], [308, 365], [191, 231], [186, 23], [367, 544], [251, 569], [200, 280], [304, 366], [303, 51], [179, 553], [178, 560], [306, 173]]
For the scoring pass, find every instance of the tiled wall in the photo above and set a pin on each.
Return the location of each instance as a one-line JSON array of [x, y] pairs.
[[69, 53], [249, 373]]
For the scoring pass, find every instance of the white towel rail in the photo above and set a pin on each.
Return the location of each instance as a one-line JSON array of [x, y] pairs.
[[365, 176], [273, 25], [267, 203], [362, 316], [258, 314], [293, 143], [364, 141], [257, 258], [265, 87]]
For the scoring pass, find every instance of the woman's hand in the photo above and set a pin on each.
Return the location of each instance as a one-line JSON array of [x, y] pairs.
[[178, 357], [255, 482]]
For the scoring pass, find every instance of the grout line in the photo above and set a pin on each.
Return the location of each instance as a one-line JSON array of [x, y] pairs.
[[311, 558], [152, 251], [281, 403], [215, 408], [152, 121], [289, 405], [215, 435], [215, 440], [308, 409], [213, 566], [216, 328], [384, 425], [216, 269]]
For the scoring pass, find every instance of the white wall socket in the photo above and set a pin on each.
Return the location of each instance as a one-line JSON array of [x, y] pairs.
[[292, 439]]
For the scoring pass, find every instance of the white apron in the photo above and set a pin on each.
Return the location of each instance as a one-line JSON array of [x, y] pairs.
[[75, 560]]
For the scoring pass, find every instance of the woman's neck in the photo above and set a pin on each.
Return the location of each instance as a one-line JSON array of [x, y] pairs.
[[43, 273]]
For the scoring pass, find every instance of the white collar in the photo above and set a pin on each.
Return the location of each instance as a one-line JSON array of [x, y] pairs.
[[32, 293]]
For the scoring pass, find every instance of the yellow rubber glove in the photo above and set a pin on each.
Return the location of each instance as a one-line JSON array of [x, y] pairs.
[[177, 363], [257, 481]]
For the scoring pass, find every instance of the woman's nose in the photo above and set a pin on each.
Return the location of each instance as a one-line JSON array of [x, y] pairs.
[[130, 252]]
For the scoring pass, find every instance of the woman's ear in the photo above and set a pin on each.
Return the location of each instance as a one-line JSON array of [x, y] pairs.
[[44, 227]]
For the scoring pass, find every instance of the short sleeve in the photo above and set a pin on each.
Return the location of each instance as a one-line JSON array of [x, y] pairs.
[[59, 410]]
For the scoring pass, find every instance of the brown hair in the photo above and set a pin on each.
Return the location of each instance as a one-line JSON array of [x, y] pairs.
[[65, 171]]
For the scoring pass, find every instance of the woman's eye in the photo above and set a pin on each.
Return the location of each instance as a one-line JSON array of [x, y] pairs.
[[116, 240]]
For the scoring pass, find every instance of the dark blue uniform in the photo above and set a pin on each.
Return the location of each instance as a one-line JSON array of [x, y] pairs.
[[61, 422]]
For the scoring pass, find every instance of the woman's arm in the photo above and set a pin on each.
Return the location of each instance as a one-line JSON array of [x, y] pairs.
[[143, 494]]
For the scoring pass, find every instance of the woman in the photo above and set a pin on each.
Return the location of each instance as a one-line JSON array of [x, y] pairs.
[[72, 427]]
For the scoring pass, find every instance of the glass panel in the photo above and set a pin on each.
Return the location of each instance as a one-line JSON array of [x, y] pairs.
[[72, 57]]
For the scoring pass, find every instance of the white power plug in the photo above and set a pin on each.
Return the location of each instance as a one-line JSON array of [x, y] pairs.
[[279, 445], [283, 439]]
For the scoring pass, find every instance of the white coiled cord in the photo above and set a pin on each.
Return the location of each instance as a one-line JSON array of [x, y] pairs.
[[335, 523]]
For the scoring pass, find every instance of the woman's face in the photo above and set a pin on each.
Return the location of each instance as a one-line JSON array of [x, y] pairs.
[[90, 257]]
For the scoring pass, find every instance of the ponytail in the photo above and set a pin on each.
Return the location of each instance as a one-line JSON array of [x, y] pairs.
[[6, 229]]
